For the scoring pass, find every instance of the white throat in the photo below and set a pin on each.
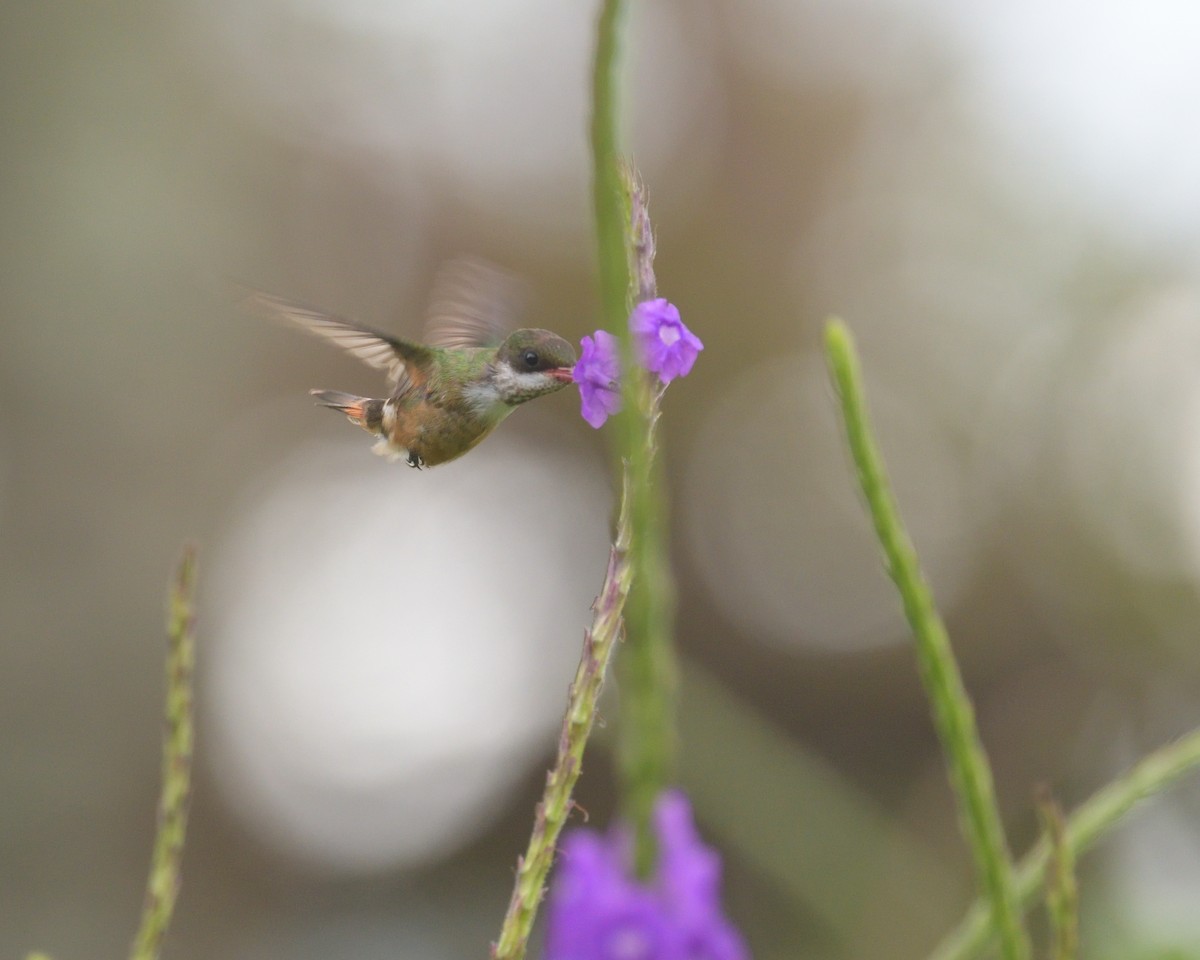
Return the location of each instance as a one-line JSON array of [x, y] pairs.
[[510, 387], [483, 397]]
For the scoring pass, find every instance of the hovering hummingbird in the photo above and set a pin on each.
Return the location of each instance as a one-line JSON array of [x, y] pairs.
[[450, 392]]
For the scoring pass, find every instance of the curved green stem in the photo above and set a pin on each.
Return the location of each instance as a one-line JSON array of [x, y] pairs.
[[970, 773], [1096, 817]]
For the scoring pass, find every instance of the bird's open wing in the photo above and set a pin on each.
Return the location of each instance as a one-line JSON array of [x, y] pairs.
[[401, 359], [474, 304]]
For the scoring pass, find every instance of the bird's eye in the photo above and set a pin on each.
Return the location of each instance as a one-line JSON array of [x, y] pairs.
[[530, 358]]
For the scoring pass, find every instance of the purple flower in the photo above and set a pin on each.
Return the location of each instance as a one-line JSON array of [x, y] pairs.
[[598, 373], [599, 911], [665, 345]]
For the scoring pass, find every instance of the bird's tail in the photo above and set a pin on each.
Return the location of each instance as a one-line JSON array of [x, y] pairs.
[[367, 413]]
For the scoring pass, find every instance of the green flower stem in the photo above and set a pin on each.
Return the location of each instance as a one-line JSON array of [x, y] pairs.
[[1096, 817], [163, 884], [1062, 892], [639, 510], [646, 668], [953, 715], [611, 206], [598, 646]]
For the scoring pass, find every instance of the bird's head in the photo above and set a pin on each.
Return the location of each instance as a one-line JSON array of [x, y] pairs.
[[530, 363]]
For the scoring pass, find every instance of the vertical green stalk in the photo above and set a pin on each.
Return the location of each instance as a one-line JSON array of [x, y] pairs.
[[162, 887], [646, 668], [629, 559], [970, 773], [607, 196]]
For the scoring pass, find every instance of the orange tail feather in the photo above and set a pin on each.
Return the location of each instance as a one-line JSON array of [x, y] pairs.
[[367, 413]]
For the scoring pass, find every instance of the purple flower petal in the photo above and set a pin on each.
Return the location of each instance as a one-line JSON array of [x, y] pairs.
[[637, 930], [598, 374], [689, 872], [716, 940], [600, 911], [666, 346], [588, 886]]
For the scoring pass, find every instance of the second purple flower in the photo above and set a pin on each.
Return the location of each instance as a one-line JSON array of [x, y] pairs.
[[665, 345]]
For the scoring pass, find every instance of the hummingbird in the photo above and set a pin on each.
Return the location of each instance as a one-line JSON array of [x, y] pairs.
[[451, 391]]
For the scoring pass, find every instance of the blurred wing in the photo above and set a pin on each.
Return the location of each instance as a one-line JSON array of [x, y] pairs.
[[474, 304], [373, 348]]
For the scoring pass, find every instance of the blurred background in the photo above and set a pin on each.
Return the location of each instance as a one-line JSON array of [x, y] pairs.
[[1002, 201]]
